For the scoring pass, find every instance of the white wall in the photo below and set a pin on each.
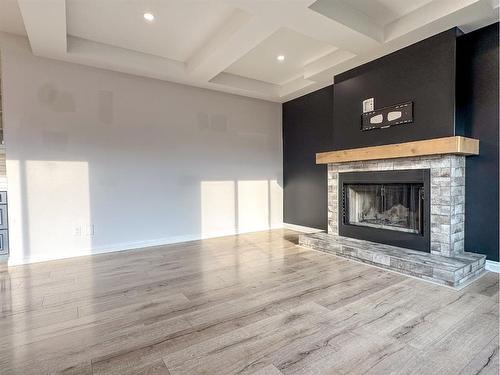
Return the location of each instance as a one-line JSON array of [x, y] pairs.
[[143, 161]]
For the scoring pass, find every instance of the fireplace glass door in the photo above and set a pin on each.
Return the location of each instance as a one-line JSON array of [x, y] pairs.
[[395, 206], [390, 207]]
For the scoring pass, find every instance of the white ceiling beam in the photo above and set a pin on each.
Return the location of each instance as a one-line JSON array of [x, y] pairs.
[[45, 23], [298, 16], [345, 14], [86, 52], [313, 70], [238, 35], [484, 13], [317, 26], [429, 13], [304, 90], [246, 84], [294, 85], [110, 57]]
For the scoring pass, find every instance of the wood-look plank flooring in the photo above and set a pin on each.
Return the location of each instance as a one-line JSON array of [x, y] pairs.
[[248, 304]]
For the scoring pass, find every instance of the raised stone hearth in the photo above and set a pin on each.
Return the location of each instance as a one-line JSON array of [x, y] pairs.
[[450, 271]]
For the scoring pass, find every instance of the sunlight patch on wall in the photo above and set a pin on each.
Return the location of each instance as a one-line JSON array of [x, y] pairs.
[[15, 211], [253, 205], [60, 188], [229, 207], [276, 205], [217, 208]]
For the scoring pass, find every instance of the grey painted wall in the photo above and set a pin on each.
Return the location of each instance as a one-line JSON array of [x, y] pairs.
[[98, 160]]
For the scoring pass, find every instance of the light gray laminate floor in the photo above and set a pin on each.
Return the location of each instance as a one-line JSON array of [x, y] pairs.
[[248, 304]]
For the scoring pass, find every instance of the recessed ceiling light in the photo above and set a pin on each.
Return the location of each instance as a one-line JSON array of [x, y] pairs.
[[280, 58], [149, 17]]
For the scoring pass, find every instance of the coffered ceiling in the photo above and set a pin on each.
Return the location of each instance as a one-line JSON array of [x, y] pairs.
[[233, 45]]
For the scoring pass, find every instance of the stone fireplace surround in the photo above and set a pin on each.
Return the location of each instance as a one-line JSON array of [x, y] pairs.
[[447, 205], [448, 263]]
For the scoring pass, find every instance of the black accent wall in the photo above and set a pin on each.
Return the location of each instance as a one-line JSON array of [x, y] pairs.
[[423, 73], [307, 129], [452, 80], [477, 109]]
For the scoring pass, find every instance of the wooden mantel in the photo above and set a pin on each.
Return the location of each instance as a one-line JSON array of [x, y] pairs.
[[438, 146]]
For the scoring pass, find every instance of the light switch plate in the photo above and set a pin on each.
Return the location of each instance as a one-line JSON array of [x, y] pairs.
[[368, 105]]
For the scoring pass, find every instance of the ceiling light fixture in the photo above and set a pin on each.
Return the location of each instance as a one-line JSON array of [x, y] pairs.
[[280, 58], [149, 17]]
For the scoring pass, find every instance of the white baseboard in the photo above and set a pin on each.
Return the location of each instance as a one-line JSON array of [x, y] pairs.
[[492, 266], [139, 245], [127, 246], [300, 228], [100, 250]]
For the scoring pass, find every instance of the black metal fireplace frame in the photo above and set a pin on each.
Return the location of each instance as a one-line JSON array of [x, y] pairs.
[[420, 241]]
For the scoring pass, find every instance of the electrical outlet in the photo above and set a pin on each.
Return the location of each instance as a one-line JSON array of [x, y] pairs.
[[89, 230], [368, 105], [85, 230]]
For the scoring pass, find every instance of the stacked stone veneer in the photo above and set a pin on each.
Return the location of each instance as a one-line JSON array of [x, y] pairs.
[[447, 196]]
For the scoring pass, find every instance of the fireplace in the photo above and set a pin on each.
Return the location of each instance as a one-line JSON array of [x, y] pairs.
[[391, 207], [409, 195]]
